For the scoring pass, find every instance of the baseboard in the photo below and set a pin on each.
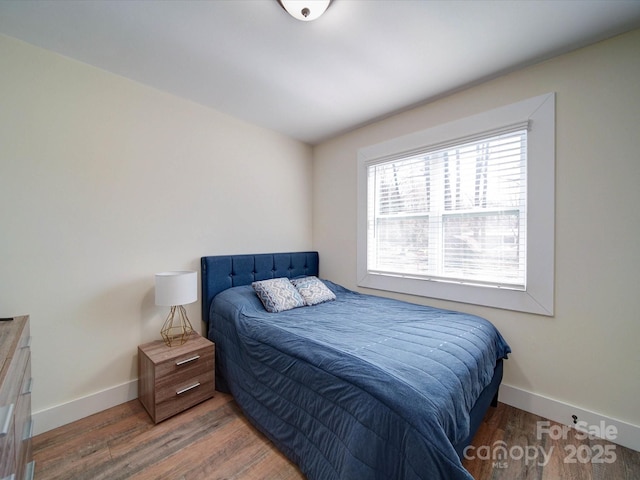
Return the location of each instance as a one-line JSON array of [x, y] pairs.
[[626, 434], [59, 415]]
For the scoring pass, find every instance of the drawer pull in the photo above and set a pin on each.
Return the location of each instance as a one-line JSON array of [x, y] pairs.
[[192, 359], [28, 386], [30, 470], [6, 415], [28, 430], [195, 385]]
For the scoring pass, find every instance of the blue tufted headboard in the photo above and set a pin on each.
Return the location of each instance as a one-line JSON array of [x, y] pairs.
[[226, 271]]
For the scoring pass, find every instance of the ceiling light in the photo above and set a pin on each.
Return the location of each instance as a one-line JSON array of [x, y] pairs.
[[305, 10]]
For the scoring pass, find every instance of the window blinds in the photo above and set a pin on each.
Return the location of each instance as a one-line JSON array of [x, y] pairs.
[[454, 212]]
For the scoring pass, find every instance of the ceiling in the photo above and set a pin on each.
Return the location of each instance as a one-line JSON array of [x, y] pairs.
[[362, 61]]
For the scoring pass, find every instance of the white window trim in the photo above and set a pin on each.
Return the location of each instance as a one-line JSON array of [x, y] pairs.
[[539, 295]]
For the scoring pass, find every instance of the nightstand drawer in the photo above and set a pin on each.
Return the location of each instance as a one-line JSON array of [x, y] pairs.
[[191, 363], [172, 399]]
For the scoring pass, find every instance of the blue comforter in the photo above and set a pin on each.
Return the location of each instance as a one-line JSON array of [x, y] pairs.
[[359, 388]]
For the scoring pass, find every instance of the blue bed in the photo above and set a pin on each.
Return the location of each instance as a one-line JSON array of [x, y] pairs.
[[361, 387]]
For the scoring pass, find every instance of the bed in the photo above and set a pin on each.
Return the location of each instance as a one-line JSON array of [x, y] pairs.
[[360, 387]]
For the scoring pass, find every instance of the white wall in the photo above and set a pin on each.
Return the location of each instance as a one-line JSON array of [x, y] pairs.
[[586, 356], [104, 182]]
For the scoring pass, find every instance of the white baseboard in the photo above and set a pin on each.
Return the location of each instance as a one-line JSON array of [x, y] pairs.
[[53, 417], [627, 435]]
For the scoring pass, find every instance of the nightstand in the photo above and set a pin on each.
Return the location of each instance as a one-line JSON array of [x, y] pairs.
[[172, 379]]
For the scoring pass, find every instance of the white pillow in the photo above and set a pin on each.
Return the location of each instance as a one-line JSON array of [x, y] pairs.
[[278, 294], [313, 290]]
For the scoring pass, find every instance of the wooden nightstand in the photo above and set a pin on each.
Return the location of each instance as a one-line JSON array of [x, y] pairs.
[[172, 379]]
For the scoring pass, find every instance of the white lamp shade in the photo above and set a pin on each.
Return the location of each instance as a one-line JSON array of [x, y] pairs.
[[176, 288]]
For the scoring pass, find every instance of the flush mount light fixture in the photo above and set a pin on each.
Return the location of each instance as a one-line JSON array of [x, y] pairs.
[[305, 10]]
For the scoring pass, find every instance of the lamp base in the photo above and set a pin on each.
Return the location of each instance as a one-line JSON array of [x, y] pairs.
[[176, 331]]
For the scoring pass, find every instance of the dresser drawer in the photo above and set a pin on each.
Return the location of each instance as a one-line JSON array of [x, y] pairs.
[[17, 355], [7, 447], [23, 420]]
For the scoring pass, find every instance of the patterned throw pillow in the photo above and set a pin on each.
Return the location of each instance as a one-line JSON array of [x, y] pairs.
[[313, 290], [278, 294]]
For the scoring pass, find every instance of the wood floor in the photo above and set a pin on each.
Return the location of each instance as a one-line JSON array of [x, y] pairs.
[[568, 456], [213, 441]]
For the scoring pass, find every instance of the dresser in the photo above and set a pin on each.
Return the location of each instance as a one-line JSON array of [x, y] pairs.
[[172, 379], [16, 426]]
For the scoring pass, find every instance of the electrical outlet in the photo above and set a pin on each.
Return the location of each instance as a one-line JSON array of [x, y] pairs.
[[575, 419]]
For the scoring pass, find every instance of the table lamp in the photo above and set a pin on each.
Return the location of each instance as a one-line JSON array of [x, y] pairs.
[[175, 289]]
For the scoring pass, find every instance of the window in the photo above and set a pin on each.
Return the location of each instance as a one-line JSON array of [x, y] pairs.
[[453, 214], [457, 211]]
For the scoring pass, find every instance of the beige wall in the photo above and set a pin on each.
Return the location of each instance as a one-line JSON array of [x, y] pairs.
[[587, 355], [104, 182]]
